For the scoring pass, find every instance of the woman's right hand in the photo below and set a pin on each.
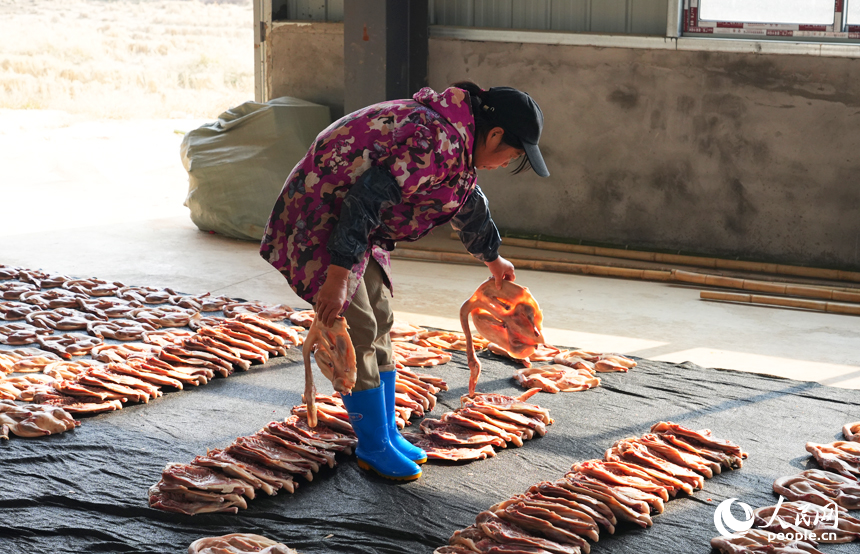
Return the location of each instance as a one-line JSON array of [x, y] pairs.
[[332, 295]]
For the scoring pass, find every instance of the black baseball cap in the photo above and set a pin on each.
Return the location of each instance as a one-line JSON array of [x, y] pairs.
[[517, 113]]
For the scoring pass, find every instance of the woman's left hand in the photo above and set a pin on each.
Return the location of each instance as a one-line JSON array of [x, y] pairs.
[[502, 270]]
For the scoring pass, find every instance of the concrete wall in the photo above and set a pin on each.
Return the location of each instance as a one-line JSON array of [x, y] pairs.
[[728, 154]]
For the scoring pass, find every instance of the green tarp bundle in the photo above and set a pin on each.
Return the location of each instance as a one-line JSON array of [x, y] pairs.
[[237, 164]]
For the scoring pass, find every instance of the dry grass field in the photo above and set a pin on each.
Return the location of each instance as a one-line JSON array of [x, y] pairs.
[[126, 59]]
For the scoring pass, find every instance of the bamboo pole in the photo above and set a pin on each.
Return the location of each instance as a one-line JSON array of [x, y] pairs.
[[788, 289], [817, 305], [559, 266], [563, 266], [678, 259]]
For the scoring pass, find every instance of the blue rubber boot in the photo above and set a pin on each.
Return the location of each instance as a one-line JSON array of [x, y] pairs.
[[387, 378], [369, 420]]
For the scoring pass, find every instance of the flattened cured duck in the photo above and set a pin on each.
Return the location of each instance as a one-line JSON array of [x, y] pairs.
[[413, 355], [275, 478], [189, 503], [199, 321], [164, 316], [19, 334], [119, 353], [234, 356], [508, 316], [42, 279], [286, 333], [246, 350], [146, 295], [76, 404], [851, 431], [320, 436], [13, 290], [599, 511], [16, 311], [335, 356], [9, 272], [50, 299], [457, 435], [482, 426], [272, 312], [534, 423], [283, 436], [448, 340], [33, 420], [542, 353], [119, 329], [303, 318], [655, 444], [437, 450], [205, 479], [238, 543], [68, 345], [512, 404], [701, 443], [248, 337], [624, 507], [820, 487], [504, 532], [110, 307], [554, 378], [595, 361], [624, 476], [24, 388], [93, 287], [62, 319], [202, 302], [401, 331], [28, 360], [546, 522], [841, 456], [670, 475]]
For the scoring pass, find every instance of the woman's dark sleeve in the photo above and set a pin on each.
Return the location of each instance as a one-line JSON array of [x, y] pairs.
[[476, 228], [374, 191]]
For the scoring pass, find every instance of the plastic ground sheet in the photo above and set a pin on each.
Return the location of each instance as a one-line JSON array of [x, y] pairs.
[[86, 490]]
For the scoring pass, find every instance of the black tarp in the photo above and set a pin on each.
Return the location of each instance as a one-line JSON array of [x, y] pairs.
[[86, 490]]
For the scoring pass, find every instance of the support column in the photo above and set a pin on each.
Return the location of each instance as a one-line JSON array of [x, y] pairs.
[[385, 50]]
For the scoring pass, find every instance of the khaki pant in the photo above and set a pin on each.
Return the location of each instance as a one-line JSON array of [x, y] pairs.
[[370, 318]]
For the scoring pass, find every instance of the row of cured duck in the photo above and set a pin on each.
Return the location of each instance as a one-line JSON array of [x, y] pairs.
[[49, 327], [569, 370], [631, 484], [136, 372], [270, 460], [816, 505], [125, 373], [31, 290]]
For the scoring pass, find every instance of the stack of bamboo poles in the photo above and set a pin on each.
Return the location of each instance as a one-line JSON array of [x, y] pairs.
[[795, 295], [841, 300]]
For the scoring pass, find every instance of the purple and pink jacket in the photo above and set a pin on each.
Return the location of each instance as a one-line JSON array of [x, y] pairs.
[[424, 143]]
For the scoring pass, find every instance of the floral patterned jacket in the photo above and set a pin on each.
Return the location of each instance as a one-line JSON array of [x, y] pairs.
[[426, 145]]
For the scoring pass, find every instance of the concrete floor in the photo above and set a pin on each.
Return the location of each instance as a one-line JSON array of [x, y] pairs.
[[104, 199]]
